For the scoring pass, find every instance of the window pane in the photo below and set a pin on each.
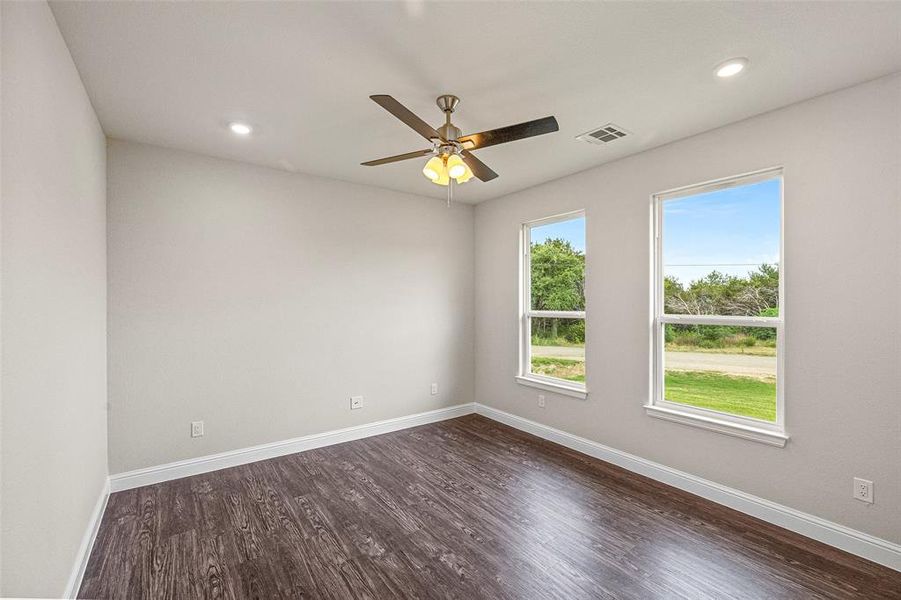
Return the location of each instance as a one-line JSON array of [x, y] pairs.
[[558, 348], [558, 265], [721, 251], [723, 368]]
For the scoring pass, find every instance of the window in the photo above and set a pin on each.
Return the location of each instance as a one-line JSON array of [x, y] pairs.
[[718, 329], [552, 306]]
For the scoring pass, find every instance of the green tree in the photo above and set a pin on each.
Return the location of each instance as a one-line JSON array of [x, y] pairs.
[[558, 283], [756, 294], [719, 294]]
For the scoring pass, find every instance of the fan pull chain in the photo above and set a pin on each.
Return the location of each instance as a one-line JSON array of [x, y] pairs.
[[450, 191]]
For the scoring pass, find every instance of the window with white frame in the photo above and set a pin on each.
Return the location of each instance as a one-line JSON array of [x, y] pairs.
[[552, 304], [718, 332]]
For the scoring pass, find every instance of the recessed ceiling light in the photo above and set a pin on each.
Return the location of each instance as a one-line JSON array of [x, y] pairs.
[[731, 67], [240, 128]]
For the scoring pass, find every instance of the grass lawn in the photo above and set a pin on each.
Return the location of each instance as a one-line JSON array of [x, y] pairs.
[[745, 396], [561, 368]]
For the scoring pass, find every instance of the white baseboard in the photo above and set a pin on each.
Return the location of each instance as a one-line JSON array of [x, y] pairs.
[[87, 543], [233, 458], [844, 538]]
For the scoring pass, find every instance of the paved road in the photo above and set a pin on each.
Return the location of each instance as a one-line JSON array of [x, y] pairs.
[[734, 364], [559, 351]]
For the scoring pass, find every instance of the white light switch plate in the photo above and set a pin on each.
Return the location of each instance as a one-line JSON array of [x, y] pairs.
[[434, 388], [356, 402]]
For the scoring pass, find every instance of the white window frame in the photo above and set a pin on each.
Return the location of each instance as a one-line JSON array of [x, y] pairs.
[[524, 375], [758, 430]]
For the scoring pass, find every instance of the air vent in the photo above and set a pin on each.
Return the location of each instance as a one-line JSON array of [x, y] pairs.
[[603, 135]]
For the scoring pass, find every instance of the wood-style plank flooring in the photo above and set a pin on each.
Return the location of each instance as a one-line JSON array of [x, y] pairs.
[[467, 508]]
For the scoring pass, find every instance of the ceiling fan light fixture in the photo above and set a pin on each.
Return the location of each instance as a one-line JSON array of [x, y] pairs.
[[456, 168], [434, 168], [443, 179], [466, 176], [444, 167]]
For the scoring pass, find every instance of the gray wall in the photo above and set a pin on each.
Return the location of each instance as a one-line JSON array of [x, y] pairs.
[[53, 306], [842, 157], [259, 301]]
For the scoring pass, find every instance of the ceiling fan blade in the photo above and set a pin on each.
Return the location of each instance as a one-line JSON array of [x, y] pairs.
[[404, 114], [399, 157], [511, 133], [478, 168]]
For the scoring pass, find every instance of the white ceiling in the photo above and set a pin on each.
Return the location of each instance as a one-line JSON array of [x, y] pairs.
[[174, 74]]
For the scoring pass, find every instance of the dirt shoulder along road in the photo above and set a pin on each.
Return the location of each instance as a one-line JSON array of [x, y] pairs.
[[732, 364]]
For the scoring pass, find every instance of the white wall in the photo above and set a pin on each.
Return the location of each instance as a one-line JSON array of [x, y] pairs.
[[259, 301], [842, 264], [53, 434]]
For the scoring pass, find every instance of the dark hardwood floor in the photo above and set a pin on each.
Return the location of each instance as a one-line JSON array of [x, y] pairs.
[[467, 508]]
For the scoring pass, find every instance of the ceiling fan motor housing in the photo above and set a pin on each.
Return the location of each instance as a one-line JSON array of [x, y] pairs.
[[449, 132], [447, 103]]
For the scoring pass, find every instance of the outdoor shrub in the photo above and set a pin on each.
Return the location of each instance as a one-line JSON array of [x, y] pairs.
[[575, 332], [745, 341], [687, 338], [762, 333]]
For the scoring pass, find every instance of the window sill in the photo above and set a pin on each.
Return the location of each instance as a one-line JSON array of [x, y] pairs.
[[551, 386], [748, 432]]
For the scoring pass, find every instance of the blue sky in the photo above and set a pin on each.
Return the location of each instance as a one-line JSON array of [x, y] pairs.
[[572, 230], [730, 231]]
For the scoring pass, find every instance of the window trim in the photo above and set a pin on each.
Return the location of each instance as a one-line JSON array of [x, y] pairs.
[[767, 432], [524, 376]]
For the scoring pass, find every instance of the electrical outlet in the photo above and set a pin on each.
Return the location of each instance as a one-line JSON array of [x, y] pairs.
[[863, 490], [434, 388], [196, 429], [541, 401], [356, 402]]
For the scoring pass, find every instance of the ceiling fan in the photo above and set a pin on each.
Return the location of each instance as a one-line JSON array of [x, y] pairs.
[[452, 159]]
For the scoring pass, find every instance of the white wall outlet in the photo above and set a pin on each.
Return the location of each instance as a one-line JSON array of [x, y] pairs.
[[541, 401], [434, 388], [196, 429], [863, 490], [356, 402]]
